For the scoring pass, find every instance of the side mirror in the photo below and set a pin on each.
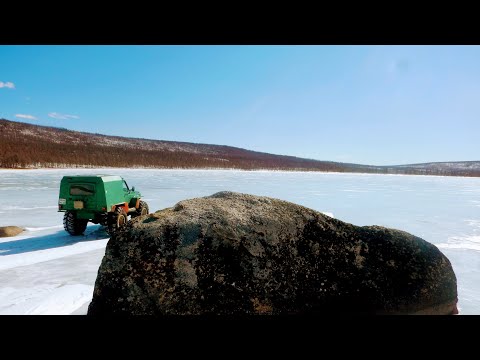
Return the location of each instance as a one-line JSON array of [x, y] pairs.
[[133, 188]]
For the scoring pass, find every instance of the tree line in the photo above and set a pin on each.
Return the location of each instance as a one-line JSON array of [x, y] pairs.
[[24, 146], [31, 152]]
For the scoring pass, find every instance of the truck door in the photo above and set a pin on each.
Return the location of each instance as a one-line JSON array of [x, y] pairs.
[[83, 196]]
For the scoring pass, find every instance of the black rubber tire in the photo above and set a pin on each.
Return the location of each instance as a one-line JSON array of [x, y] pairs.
[[116, 220], [72, 225], [142, 209]]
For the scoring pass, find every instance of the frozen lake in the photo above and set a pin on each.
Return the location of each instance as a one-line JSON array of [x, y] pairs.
[[46, 271]]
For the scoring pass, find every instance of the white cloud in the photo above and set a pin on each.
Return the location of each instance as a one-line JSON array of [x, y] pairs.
[[7, 84], [62, 116], [24, 116]]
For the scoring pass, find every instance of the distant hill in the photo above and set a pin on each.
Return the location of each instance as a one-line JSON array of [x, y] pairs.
[[32, 146]]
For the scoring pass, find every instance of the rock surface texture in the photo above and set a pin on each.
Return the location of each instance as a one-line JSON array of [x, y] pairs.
[[239, 254], [7, 231]]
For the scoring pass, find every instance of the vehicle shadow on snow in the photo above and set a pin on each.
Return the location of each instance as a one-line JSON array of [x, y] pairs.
[[53, 240]]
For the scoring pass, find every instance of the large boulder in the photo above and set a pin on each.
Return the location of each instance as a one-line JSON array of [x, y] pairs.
[[6, 231], [233, 253]]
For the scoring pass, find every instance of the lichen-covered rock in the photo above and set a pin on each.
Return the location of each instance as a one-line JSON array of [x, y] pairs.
[[6, 231], [233, 253]]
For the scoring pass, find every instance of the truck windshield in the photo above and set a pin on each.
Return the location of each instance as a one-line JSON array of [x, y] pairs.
[[82, 189]]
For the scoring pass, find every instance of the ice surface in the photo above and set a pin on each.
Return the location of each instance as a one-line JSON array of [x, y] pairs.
[[45, 270]]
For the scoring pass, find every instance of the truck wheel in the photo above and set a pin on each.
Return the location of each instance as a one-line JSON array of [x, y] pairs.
[[73, 225], [141, 210], [116, 220]]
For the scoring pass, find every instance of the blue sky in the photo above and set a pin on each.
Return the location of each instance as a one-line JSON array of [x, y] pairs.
[[376, 105]]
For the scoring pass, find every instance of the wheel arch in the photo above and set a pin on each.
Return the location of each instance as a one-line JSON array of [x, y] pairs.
[[123, 205]]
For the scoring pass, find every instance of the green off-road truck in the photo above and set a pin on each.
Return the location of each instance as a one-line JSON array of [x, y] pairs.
[[101, 199]]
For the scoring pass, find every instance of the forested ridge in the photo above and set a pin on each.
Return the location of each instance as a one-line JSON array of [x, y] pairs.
[[25, 145]]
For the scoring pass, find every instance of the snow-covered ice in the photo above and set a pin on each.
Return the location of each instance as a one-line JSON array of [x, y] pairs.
[[46, 271]]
